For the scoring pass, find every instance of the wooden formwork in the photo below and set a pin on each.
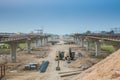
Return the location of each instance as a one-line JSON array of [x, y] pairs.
[[2, 71]]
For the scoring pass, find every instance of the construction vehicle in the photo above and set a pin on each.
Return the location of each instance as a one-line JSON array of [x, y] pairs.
[[60, 54], [56, 55], [58, 67], [66, 55], [31, 66], [69, 54]]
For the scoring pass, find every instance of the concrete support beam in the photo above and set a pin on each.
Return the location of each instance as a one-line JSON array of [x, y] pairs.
[[28, 46], [46, 40], [13, 47], [82, 42], [41, 41], [36, 43], [75, 40], [98, 48], [78, 41], [87, 45]]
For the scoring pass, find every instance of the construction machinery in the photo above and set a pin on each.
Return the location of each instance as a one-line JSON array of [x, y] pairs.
[[67, 55], [31, 66], [60, 54], [56, 55], [58, 67]]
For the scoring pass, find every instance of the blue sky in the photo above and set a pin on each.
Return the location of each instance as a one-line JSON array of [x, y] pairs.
[[59, 16]]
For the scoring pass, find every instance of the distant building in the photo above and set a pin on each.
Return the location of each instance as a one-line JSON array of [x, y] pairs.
[[116, 30]]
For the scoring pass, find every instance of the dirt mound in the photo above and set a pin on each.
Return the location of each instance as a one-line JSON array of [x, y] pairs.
[[81, 62], [107, 69]]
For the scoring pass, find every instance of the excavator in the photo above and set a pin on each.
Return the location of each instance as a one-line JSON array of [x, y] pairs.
[[65, 55]]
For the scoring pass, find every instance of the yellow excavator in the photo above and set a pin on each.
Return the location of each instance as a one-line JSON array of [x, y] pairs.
[[56, 55], [64, 55], [67, 55]]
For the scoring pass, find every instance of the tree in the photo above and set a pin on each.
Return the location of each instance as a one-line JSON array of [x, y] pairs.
[[88, 32]]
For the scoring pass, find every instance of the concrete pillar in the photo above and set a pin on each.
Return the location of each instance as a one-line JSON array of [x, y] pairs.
[[13, 47], [28, 46], [44, 41], [98, 48], [41, 41], [36, 43], [87, 46], [79, 41], [82, 42], [75, 39]]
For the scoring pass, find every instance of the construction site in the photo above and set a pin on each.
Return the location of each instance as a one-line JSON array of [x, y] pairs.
[[79, 57], [59, 40]]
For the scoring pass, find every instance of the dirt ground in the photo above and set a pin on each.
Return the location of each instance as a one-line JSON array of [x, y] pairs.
[[107, 69], [50, 74], [16, 72]]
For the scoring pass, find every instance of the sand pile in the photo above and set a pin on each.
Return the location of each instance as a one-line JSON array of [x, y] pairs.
[[107, 69]]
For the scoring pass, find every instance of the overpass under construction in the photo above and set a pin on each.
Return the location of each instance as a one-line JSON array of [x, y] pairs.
[[14, 39], [98, 39]]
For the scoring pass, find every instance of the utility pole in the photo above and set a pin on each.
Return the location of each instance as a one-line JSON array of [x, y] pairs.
[[39, 31]]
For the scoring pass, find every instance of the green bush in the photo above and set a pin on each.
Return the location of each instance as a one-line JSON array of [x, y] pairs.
[[5, 46], [92, 44], [108, 48], [22, 45]]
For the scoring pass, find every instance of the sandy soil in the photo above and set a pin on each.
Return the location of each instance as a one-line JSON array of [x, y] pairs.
[[107, 69]]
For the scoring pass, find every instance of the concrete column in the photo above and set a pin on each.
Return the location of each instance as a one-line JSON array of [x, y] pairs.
[[78, 41], [98, 48], [28, 46], [13, 47], [87, 46], [41, 41], [36, 43], [45, 41], [75, 39], [82, 42]]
